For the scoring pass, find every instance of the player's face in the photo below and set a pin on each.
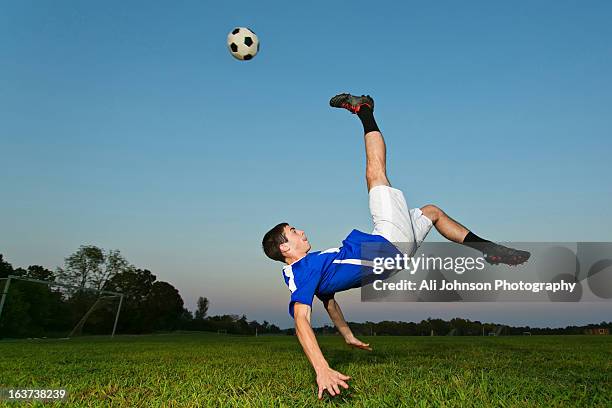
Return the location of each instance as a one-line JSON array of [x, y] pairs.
[[297, 240]]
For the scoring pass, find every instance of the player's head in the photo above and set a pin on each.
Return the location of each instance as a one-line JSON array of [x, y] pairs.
[[285, 243]]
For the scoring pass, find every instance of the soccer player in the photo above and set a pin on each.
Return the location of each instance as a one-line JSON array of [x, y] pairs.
[[324, 273]]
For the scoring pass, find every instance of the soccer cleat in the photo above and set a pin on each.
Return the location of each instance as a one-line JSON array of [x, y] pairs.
[[499, 254], [351, 102]]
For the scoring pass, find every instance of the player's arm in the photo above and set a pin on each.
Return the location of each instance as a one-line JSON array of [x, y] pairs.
[[335, 313], [327, 379]]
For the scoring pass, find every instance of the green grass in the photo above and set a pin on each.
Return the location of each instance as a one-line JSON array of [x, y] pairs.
[[222, 370]]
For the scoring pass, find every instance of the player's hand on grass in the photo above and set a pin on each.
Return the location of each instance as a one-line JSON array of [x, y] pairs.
[[355, 342], [331, 380]]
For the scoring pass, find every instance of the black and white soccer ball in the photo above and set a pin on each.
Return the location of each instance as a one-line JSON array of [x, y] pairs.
[[243, 43]]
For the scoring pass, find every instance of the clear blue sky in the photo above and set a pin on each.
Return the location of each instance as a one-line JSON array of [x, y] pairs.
[[130, 126]]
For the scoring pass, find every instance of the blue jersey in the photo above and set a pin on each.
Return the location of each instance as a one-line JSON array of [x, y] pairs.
[[324, 273]]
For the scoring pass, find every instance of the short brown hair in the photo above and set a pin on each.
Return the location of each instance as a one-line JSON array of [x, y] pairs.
[[272, 240]]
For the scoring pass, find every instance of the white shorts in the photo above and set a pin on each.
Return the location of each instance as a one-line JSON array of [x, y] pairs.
[[394, 221]]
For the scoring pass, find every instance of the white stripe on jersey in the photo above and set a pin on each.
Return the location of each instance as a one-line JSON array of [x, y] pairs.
[[330, 251], [363, 262], [288, 271]]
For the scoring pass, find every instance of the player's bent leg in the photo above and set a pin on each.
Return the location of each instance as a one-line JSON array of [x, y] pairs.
[[445, 225], [454, 231]]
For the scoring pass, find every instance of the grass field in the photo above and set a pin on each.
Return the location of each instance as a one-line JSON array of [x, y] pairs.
[[224, 370]]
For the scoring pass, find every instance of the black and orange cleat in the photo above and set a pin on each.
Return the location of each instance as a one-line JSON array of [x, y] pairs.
[[351, 102], [499, 254]]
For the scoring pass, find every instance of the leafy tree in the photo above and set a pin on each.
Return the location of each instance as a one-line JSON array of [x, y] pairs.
[[19, 272], [439, 326], [39, 272], [31, 309], [15, 319], [164, 306], [81, 266], [114, 263], [6, 268], [186, 318], [92, 267], [42, 302], [202, 308], [136, 285]]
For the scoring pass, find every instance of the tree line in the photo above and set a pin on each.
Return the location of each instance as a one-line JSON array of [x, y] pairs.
[[453, 327], [73, 302]]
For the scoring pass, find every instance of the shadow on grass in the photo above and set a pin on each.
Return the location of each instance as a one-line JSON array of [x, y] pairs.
[[344, 357], [340, 359]]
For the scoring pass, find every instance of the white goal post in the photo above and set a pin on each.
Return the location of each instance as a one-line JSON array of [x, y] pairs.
[[81, 322]]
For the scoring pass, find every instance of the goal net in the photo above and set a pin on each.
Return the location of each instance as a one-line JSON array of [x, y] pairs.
[[32, 308]]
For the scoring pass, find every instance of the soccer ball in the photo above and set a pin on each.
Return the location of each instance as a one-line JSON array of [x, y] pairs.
[[242, 43]]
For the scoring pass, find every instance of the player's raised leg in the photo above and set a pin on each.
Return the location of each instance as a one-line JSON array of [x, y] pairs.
[[376, 150]]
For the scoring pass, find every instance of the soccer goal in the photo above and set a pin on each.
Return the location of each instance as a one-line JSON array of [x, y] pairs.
[[15, 303]]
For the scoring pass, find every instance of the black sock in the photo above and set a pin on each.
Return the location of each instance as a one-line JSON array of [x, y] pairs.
[[474, 241], [367, 119]]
